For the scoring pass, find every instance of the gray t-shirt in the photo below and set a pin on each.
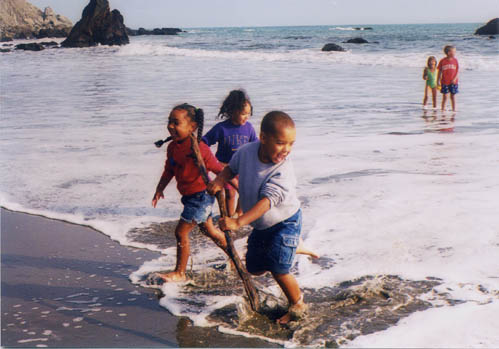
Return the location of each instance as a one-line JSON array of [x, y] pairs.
[[257, 180]]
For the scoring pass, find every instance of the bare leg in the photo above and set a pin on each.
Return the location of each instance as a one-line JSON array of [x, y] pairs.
[[301, 249], [425, 98], [183, 251], [444, 100], [230, 194], [453, 101], [434, 96], [214, 233], [290, 287]]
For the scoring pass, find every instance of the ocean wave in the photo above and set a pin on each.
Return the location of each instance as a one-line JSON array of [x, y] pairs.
[[263, 53], [351, 28]]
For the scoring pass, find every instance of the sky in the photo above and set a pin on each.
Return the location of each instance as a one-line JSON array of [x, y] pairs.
[[245, 13]]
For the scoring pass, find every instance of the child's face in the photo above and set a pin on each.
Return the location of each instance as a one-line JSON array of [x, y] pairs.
[[451, 53], [180, 125], [433, 63], [240, 118], [275, 148]]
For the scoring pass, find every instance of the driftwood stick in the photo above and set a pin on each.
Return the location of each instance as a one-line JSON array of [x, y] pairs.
[[231, 251]]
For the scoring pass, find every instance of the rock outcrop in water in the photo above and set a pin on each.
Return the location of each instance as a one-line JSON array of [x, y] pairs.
[[21, 20], [32, 46], [155, 31], [491, 28], [356, 41], [98, 25], [333, 47]]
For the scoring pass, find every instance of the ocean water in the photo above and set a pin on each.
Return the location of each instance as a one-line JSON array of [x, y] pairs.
[[387, 188]]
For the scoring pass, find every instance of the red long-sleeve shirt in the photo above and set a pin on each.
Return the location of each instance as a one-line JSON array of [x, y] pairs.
[[180, 164]]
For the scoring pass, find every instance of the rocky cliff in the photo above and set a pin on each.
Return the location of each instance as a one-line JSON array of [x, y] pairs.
[[21, 20]]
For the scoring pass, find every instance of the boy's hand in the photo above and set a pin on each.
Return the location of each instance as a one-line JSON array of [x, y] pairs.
[[156, 197], [227, 223], [215, 186]]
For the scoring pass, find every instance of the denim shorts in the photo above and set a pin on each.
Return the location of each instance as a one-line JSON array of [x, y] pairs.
[[452, 88], [273, 249], [197, 207]]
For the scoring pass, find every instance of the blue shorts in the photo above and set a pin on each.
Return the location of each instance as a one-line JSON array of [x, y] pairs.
[[452, 88], [197, 207], [273, 249]]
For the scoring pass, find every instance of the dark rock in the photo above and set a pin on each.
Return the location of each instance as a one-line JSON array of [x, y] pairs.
[[49, 43], [356, 41], [491, 28], [6, 39], [98, 26], [4, 50], [53, 33], [32, 46], [155, 31], [492, 37], [333, 47]]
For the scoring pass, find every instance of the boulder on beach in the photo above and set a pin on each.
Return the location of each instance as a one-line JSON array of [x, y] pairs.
[[491, 28], [98, 25], [333, 47], [356, 41], [32, 46], [21, 20]]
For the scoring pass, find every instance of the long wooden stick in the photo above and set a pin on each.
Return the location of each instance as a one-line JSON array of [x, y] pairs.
[[231, 251]]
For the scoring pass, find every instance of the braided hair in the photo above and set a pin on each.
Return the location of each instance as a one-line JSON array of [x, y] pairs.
[[234, 103], [196, 115]]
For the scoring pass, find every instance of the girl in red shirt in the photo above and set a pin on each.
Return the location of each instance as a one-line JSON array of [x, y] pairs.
[[183, 120]]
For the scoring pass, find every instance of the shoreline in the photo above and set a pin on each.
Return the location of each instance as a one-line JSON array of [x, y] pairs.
[[67, 285]]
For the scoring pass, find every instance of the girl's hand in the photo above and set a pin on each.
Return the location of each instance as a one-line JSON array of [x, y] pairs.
[[227, 223], [156, 198], [215, 186]]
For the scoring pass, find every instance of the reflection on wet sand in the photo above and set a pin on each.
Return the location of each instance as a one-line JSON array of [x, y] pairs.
[[436, 123]]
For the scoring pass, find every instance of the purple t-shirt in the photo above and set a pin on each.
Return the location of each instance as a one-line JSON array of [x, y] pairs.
[[229, 138]]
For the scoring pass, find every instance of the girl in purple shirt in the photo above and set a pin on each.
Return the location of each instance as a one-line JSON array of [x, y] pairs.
[[231, 133]]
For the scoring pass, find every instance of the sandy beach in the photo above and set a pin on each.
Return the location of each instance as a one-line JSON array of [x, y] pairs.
[[65, 285]]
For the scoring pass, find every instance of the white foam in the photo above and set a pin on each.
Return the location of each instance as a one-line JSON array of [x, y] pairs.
[[462, 326], [468, 61]]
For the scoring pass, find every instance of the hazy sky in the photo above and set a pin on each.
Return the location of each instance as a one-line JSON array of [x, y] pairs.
[[221, 13]]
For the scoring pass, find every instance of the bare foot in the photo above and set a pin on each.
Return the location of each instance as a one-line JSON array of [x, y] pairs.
[[295, 312], [157, 279], [301, 249]]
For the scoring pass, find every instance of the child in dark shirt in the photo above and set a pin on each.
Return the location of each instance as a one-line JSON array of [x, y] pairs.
[[230, 134]]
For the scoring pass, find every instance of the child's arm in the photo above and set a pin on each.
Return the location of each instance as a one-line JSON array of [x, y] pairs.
[[439, 76], [163, 182], [211, 137], [218, 183], [457, 73], [252, 215], [425, 74]]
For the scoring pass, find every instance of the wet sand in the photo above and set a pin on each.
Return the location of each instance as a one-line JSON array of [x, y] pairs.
[[66, 285]]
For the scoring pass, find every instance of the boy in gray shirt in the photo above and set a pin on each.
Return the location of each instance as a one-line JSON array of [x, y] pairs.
[[267, 189]]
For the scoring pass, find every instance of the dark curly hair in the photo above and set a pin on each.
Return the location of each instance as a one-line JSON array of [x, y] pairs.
[[195, 114], [234, 103]]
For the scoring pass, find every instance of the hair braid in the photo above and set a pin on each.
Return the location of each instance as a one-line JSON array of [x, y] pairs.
[[199, 117]]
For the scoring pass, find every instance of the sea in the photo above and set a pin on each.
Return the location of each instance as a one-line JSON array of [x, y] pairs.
[[400, 201]]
